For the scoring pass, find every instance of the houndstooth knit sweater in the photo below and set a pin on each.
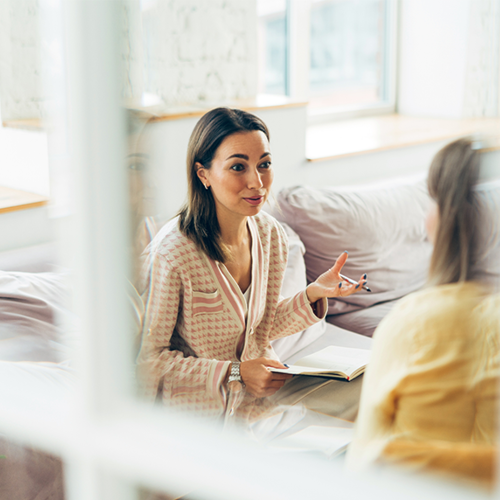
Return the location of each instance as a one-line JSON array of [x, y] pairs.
[[195, 316]]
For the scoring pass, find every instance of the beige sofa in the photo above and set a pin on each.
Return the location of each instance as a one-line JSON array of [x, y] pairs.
[[382, 226]]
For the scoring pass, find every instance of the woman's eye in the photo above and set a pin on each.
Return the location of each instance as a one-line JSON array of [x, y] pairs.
[[137, 166], [238, 167], [266, 164]]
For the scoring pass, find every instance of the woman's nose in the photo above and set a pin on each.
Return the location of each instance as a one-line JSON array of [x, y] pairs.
[[254, 180]]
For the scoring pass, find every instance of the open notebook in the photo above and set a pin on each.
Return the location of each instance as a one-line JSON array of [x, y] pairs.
[[335, 362]]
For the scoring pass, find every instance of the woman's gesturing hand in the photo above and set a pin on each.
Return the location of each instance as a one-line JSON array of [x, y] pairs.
[[259, 380], [330, 284]]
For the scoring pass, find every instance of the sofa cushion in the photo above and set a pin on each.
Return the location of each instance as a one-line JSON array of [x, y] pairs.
[[34, 259], [382, 227], [32, 308], [487, 257], [363, 321]]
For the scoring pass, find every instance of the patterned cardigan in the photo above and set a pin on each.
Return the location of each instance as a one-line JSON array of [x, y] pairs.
[[195, 316]]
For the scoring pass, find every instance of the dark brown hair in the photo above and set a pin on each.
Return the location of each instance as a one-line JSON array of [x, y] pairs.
[[453, 173], [198, 218]]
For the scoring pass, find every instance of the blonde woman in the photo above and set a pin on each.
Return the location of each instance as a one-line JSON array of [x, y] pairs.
[[430, 393]]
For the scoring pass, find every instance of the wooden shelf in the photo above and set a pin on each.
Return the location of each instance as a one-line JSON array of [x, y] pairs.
[[12, 200], [380, 133], [261, 102], [33, 124]]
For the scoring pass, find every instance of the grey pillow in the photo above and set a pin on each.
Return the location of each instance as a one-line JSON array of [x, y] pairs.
[[363, 321], [382, 227], [32, 306], [487, 257]]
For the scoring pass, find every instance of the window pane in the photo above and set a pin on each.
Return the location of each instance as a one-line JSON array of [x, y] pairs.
[[347, 52], [272, 46]]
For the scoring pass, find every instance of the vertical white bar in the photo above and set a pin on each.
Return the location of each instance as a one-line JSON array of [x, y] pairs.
[[133, 50], [100, 233], [86, 481], [299, 34], [392, 49]]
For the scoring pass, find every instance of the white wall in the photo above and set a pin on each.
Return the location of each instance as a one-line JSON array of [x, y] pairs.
[[200, 51], [432, 62], [20, 75], [25, 166], [482, 79], [26, 228], [28, 48], [186, 51], [25, 163], [449, 58]]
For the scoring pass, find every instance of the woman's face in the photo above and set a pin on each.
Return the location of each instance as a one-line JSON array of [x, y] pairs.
[[431, 221], [241, 175], [142, 185]]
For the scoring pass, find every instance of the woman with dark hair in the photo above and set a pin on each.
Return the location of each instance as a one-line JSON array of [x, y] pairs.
[[214, 277], [430, 395]]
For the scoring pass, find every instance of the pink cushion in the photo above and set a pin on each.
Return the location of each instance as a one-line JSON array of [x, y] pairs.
[[487, 236], [382, 227], [363, 321], [32, 307]]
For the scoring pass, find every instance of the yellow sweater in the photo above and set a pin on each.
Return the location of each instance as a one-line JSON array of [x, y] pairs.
[[430, 391]]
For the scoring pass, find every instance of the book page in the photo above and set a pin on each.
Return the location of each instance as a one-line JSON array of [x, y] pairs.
[[298, 370], [332, 359]]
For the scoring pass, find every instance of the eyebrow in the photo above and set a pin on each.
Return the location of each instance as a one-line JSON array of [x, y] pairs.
[[245, 157], [140, 155]]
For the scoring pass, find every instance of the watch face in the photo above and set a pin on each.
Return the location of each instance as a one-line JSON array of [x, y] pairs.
[[235, 386]]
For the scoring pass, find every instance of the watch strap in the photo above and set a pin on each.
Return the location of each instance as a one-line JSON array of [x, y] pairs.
[[235, 372]]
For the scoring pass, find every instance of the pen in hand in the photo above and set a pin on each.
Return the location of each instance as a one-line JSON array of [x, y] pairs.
[[349, 280]]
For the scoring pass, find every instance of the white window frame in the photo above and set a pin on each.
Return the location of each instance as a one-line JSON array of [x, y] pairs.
[[299, 14]]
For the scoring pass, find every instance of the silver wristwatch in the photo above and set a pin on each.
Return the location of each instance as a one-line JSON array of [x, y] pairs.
[[235, 382]]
